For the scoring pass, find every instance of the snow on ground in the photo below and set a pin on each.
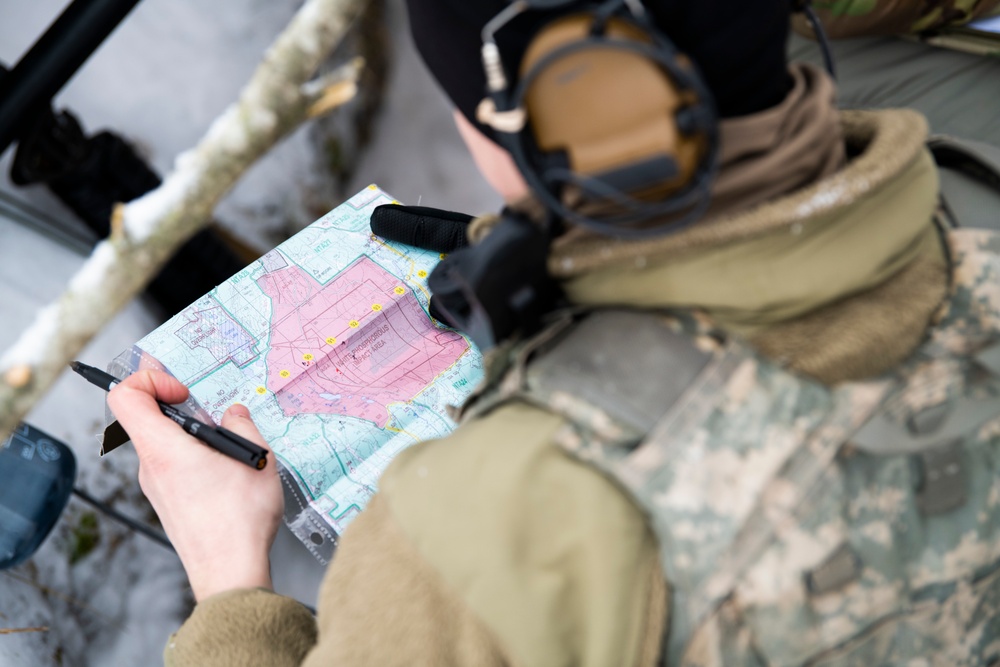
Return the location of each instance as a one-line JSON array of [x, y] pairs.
[[160, 80]]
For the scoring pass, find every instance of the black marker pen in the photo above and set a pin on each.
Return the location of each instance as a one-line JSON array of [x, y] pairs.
[[220, 439]]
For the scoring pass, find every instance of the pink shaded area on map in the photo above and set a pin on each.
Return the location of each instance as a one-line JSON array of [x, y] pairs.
[[390, 356]]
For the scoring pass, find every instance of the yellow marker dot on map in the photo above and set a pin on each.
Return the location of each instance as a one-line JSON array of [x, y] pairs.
[[376, 307], [400, 290], [307, 357], [331, 341], [421, 273], [354, 324], [373, 187], [443, 255], [395, 202], [284, 374], [261, 390]]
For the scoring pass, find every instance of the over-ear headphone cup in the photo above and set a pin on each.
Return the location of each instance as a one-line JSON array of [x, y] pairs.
[[613, 111], [612, 127]]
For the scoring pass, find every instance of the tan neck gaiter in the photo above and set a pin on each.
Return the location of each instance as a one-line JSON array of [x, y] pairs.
[[782, 149]]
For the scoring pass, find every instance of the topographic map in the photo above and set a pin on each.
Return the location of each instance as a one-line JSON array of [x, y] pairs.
[[326, 339]]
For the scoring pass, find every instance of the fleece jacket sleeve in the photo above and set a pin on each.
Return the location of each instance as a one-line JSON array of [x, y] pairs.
[[243, 628]]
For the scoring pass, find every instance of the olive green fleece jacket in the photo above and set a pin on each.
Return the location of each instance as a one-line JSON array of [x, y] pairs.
[[493, 547]]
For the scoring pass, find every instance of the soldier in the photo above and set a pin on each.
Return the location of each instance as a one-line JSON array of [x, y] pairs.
[[757, 428]]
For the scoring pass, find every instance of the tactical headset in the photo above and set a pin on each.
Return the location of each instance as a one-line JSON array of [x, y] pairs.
[[613, 130]]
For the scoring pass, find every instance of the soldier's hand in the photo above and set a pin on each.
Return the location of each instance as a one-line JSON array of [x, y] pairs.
[[220, 514]]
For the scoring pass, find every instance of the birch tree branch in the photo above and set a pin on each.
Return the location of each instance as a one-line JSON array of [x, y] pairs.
[[146, 232], [14, 631]]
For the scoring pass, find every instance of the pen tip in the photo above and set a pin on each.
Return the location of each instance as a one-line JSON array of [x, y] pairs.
[[75, 365]]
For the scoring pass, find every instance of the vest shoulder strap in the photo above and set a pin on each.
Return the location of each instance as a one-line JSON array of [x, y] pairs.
[[620, 366]]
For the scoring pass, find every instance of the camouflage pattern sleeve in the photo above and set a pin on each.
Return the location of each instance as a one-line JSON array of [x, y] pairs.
[[854, 18]]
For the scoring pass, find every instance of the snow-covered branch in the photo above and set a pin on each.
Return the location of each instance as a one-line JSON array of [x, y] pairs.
[[145, 233]]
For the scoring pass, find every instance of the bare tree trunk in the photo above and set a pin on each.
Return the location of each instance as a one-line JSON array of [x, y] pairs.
[[147, 231]]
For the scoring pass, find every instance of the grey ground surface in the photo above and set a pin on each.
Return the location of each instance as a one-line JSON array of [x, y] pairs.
[[160, 80]]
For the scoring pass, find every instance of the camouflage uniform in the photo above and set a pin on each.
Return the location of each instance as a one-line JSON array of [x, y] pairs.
[[798, 523]]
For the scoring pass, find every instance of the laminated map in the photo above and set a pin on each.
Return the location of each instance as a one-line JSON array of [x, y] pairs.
[[326, 339]]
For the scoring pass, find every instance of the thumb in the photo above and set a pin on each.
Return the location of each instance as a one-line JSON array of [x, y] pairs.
[[237, 419]]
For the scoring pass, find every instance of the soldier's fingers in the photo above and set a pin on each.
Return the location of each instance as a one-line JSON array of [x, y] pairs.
[[133, 403], [159, 385], [237, 419]]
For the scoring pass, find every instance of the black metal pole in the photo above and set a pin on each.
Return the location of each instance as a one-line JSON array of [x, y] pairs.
[[156, 536], [29, 87]]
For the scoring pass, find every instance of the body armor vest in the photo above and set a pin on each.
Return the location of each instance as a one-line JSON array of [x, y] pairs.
[[798, 523]]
